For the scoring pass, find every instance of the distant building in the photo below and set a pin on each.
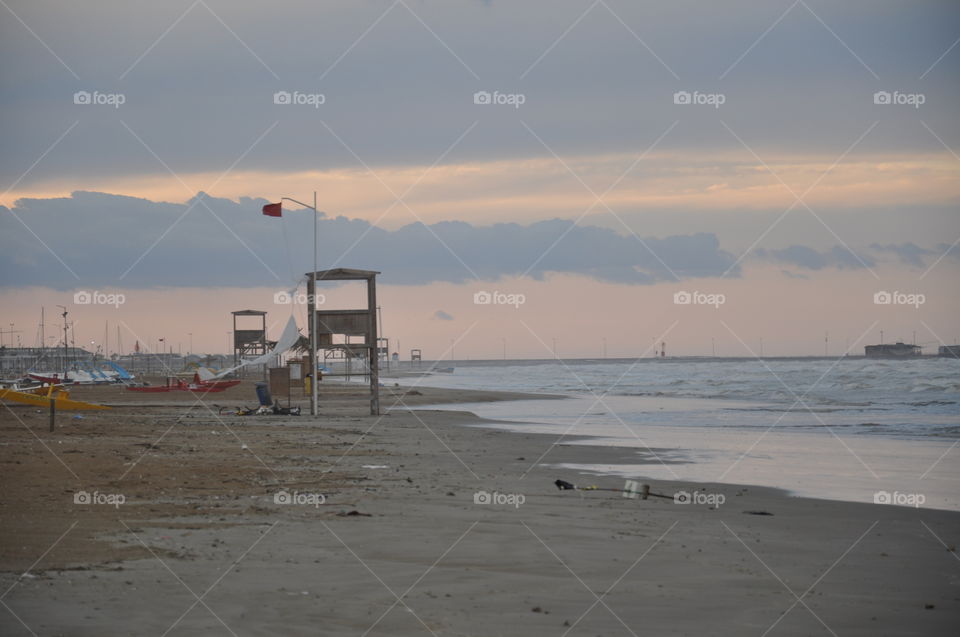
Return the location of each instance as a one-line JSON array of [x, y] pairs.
[[949, 351], [892, 350], [17, 360]]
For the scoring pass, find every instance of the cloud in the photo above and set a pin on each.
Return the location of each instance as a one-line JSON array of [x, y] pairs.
[[440, 315], [951, 251], [113, 240], [812, 259], [798, 88], [908, 253], [845, 257]]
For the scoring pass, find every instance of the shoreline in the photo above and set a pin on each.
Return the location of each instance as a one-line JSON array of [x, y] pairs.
[[201, 515], [806, 463]]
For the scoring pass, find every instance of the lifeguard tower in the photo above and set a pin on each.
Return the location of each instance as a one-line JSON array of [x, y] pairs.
[[348, 324], [250, 342]]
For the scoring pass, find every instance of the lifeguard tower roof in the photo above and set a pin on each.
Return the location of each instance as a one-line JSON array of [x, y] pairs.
[[344, 274]]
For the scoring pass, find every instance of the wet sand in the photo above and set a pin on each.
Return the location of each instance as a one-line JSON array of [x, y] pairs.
[[353, 524]]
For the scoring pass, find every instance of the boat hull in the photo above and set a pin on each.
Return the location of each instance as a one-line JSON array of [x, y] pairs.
[[61, 399], [199, 389]]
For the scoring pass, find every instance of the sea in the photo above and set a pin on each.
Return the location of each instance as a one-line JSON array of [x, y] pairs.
[[856, 429]]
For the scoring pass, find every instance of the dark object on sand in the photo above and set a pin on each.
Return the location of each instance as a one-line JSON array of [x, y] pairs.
[[631, 489], [275, 409], [263, 394], [351, 514], [757, 513], [267, 405]]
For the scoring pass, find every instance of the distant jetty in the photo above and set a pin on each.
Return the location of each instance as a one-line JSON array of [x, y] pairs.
[[949, 351], [892, 350]]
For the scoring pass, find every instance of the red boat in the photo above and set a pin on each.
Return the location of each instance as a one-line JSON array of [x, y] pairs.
[[225, 384], [51, 379], [176, 384], [205, 389], [152, 388]]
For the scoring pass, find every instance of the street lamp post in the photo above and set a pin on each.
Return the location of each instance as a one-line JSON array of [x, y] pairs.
[[65, 341], [311, 305]]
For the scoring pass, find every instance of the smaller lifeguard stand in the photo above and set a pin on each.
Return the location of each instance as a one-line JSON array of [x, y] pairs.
[[251, 341]]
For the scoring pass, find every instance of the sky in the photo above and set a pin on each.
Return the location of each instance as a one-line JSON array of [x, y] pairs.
[[611, 174]]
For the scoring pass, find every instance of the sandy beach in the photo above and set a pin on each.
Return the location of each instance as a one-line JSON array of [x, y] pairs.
[[660, 299], [418, 523]]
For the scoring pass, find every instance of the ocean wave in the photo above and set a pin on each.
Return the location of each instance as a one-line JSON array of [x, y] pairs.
[[900, 398]]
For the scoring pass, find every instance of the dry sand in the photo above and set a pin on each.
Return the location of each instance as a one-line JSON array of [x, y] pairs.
[[200, 545]]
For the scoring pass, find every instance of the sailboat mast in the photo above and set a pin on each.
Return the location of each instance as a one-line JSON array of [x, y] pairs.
[[65, 363]]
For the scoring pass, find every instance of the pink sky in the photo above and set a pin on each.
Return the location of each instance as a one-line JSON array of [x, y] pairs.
[[800, 156], [791, 315]]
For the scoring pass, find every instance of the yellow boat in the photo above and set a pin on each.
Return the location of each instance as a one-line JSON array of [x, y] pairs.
[[41, 397]]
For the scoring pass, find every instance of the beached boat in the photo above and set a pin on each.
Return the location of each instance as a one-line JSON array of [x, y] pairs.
[[225, 384], [152, 389], [43, 396], [200, 389], [108, 372], [23, 384], [52, 378], [176, 384]]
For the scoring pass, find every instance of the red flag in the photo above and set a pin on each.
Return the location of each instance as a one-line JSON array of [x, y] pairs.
[[272, 210]]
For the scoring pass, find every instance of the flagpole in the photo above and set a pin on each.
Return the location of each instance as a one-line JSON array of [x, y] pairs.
[[311, 305], [313, 317]]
